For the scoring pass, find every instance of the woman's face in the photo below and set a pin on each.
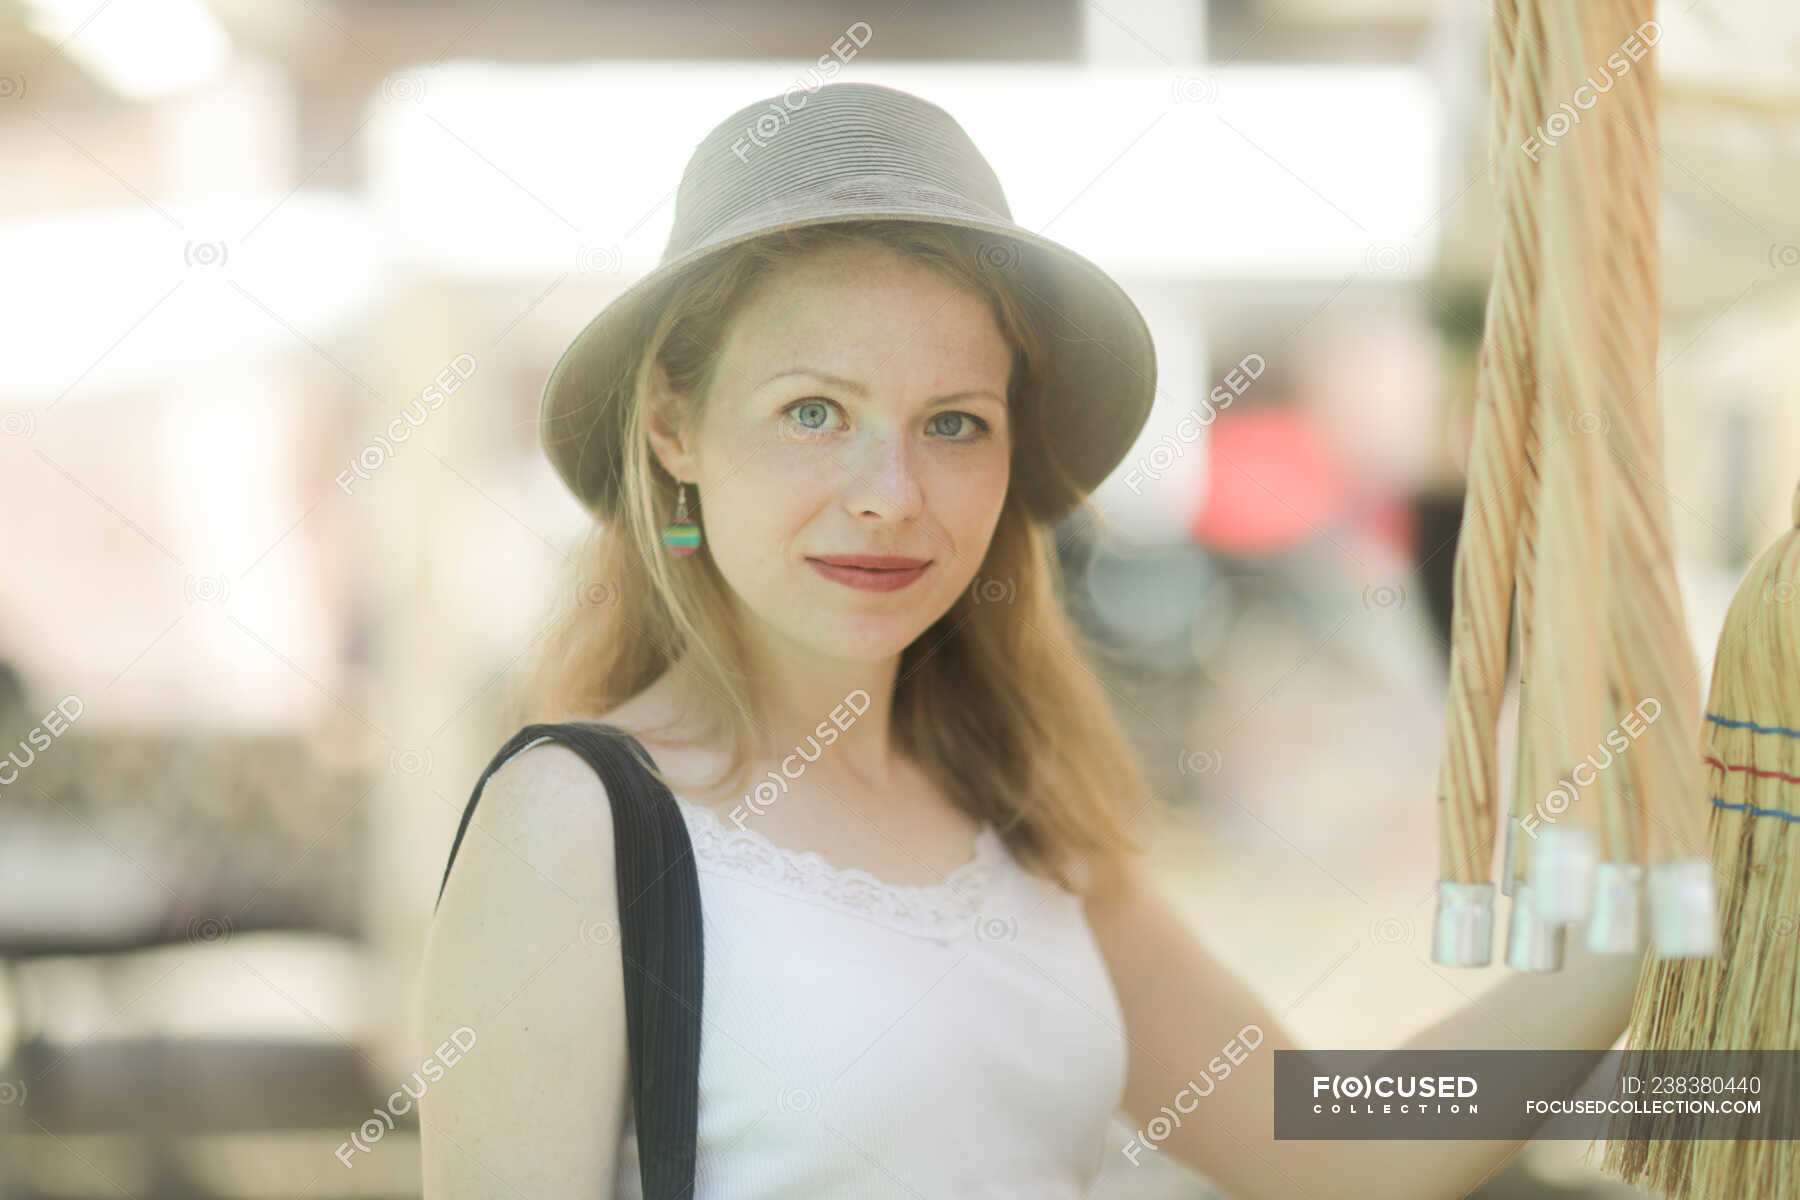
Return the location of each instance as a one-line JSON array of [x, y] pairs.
[[858, 408]]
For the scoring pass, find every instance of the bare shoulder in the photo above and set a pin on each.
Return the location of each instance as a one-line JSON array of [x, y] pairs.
[[546, 807], [535, 863], [522, 963]]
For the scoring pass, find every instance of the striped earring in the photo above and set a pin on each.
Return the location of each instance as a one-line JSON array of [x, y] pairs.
[[681, 536]]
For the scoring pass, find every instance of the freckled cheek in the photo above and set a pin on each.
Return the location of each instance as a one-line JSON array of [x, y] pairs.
[[765, 489], [975, 486], [792, 475], [954, 487]]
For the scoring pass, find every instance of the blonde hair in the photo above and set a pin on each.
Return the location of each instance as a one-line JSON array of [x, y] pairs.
[[996, 701]]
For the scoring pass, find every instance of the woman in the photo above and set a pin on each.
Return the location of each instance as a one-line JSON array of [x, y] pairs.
[[935, 964]]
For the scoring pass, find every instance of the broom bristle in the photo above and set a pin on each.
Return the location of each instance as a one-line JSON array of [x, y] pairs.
[[1745, 997]]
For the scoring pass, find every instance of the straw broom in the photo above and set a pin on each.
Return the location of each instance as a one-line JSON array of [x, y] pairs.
[[1603, 178], [1745, 997], [1487, 544], [1568, 582], [1566, 503], [1517, 70], [1648, 627]]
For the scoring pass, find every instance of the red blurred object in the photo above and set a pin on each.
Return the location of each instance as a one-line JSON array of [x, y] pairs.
[[1273, 481]]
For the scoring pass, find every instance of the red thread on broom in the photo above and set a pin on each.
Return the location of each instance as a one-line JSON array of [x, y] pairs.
[[1753, 771]]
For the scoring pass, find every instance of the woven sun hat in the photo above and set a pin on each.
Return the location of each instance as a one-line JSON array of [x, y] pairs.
[[849, 152]]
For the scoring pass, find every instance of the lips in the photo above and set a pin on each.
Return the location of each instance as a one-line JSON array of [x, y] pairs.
[[870, 572], [872, 562]]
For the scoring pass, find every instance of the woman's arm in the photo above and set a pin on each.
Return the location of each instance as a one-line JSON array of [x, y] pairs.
[[1183, 1008], [523, 953]]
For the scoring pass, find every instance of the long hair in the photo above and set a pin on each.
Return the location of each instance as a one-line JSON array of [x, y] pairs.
[[997, 701]]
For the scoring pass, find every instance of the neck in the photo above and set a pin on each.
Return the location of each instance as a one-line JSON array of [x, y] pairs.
[[836, 712]]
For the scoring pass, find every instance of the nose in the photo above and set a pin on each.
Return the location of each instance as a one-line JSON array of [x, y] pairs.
[[884, 480]]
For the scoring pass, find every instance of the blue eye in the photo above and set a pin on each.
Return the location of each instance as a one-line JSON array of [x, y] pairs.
[[813, 413], [981, 425], [811, 403]]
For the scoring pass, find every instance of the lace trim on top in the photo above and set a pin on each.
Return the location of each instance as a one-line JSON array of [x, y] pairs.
[[945, 910]]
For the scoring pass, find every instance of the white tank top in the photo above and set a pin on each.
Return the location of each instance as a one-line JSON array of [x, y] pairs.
[[863, 1040]]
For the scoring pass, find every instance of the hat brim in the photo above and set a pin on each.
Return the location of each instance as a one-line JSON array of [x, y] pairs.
[[1100, 375]]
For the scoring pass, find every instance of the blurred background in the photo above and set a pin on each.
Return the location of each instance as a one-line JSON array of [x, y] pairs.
[[266, 652]]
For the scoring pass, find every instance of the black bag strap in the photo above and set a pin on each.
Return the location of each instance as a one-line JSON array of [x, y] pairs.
[[659, 941]]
